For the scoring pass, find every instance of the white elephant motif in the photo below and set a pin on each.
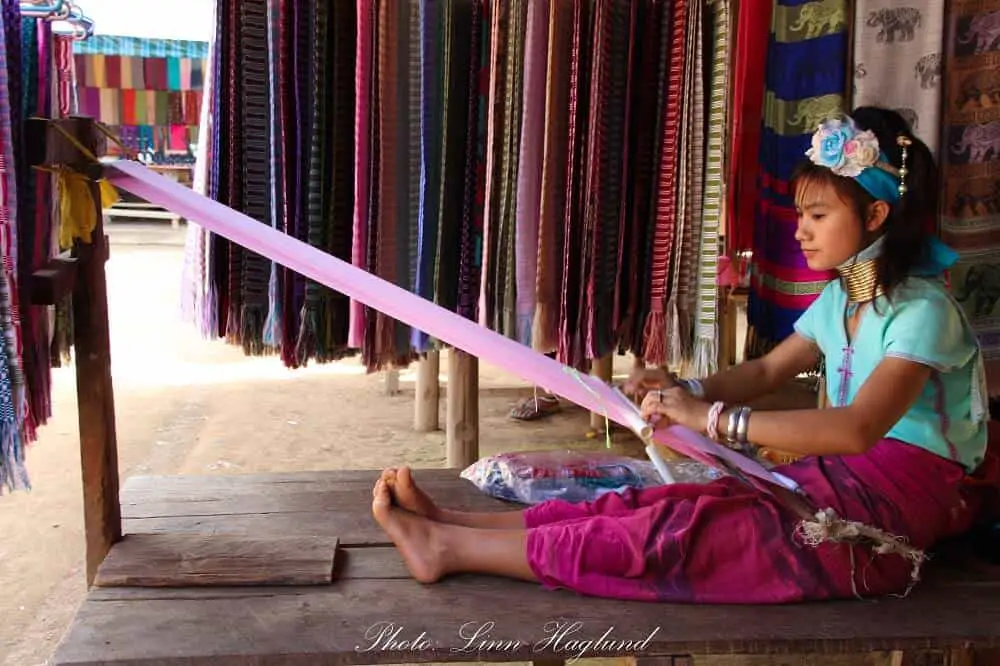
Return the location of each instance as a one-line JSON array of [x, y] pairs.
[[984, 30], [979, 141]]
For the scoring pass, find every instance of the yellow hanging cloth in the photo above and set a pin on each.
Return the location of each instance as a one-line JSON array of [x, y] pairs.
[[77, 209]]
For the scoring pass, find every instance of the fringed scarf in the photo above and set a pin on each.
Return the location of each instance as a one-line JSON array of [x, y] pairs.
[[500, 24], [471, 250], [459, 61], [650, 56], [366, 22], [307, 344], [13, 398], [552, 196], [235, 148], [706, 351], [432, 146], [255, 128], [571, 340], [897, 61], [338, 194], [970, 166], [806, 83], [529, 171], [606, 163], [67, 104], [655, 330], [504, 272], [273, 334], [681, 303]]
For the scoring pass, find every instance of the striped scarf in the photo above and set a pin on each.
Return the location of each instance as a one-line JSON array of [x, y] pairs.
[[655, 330], [366, 21], [256, 201], [706, 331]]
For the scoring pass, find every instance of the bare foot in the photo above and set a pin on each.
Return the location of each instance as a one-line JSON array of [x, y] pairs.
[[407, 495], [415, 537]]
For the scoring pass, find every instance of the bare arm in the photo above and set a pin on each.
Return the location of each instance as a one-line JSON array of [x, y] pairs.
[[883, 399], [750, 380]]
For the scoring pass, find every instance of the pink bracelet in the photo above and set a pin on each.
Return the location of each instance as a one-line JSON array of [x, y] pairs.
[[713, 420]]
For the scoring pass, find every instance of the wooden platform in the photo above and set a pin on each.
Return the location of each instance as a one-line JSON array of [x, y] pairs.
[[370, 596]]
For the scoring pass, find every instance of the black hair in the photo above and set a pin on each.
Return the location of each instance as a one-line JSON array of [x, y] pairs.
[[909, 220]]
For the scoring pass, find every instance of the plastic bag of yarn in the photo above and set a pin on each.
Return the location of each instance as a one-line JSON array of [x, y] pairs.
[[531, 477]]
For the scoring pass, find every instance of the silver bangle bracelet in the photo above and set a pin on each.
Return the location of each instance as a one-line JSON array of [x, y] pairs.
[[732, 424], [743, 425]]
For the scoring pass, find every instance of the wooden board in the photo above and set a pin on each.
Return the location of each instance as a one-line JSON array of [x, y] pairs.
[[194, 560], [335, 624], [955, 606]]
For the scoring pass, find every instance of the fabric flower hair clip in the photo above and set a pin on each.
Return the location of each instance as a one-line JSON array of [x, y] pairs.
[[847, 151]]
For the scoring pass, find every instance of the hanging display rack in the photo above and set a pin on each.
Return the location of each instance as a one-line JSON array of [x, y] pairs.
[[63, 11]]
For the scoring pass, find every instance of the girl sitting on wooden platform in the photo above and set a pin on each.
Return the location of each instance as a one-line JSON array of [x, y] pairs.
[[906, 427]]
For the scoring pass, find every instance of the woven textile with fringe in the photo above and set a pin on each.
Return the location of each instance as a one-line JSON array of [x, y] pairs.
[[552, 196], [970, 166], [529, 172], [799, 95], [681, 303], [663, 235], [706, 351], [256, 203], [570, 350]]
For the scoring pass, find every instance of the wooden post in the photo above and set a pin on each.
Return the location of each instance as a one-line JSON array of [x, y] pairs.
[[428, 394], [603, 369], [462, 439], [392, 381], [92, 344]]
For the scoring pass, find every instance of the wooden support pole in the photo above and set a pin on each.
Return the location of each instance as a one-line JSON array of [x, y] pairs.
[[428, 393], [392, 381], [76, 143], [462, 438], [603, 369]]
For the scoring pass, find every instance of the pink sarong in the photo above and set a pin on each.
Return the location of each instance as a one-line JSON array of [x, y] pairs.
[[724, 542]]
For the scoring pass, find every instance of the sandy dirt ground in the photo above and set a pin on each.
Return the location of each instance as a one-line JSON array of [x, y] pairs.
[[186, 405]]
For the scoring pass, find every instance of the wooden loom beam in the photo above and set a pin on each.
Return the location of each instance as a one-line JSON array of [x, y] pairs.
[[84, 272]]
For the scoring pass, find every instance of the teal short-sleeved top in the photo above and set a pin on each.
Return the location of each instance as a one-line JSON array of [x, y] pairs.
[[922, 323]]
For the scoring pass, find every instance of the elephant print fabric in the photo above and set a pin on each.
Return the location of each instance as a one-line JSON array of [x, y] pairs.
[[897, 48], [970, 164]]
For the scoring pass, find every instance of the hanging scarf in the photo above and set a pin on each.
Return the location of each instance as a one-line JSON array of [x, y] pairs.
[[552, 198], [650, 61], [655, 331], [607, 163], [706, 353], [235, 147], [500, 25], [366, 21], [504, 272], [571, 349], [753, 25], [255, 124], [317, 222], [897, 61], [460, 48], [273, 333], [471, 251], [431, 147], [782, 285], [529, 170], [970, 166], [338, 195]]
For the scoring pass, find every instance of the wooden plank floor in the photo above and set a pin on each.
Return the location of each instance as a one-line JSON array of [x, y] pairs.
[[371, 597]]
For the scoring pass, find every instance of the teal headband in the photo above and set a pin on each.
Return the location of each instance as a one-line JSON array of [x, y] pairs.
[[847, 151]]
